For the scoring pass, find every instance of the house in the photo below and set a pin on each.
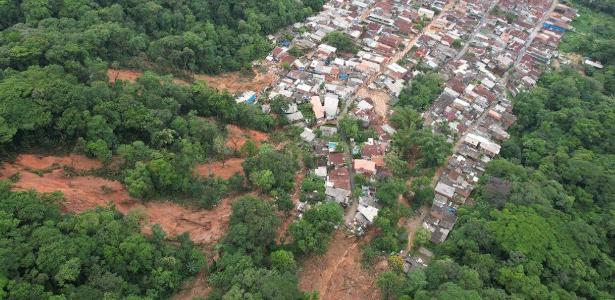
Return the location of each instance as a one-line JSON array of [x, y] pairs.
[[247, 97], [331, 103], [397, 71], [321, 171], [307, 135], [339, 178], [336, 159], [445, 190], [419, 260], [293, 114], [439, 235], [426, 13], [368, 212], [328, 131], [338, 195], [317, 108], [488, 147], [364, 166]]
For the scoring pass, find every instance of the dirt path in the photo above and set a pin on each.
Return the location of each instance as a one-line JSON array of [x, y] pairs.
[[338, 274], [412, 225]]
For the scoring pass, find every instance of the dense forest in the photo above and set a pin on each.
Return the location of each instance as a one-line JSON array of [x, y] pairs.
[[56, 97], [98, 254], [543, 226], [196, 36]]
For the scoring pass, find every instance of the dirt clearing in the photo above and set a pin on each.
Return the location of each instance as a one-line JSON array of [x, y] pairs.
[[233, 82], [236, 82], [380, 99], [217, 168], [338, 274], [46, 174], [238, 136], [127, 75]]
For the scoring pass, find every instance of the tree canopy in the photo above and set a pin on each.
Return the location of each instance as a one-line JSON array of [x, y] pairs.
[[195, 36], [93, 255]]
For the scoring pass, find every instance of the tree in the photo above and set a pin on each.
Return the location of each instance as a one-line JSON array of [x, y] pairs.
[[253, 225], [59, 248], [423, 192], [422, 91], [263, 179], [434, 149], [421, 237], [283, 261], [312, 233], [340, 40], [100, 150], [388, 192], [139, 182], [390, 284], [348, 127]]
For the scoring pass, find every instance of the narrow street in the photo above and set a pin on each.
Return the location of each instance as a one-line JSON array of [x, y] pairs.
[[533, 34]]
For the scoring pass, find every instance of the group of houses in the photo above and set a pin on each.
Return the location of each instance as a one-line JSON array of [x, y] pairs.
[[324, 79], [482, 48], [473, 110]]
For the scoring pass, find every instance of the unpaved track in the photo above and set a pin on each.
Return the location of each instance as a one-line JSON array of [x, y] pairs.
[[338, 275]]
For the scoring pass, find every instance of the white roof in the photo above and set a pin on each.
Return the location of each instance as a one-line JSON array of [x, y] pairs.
[[304, 88], [397, 68], [369, 212], [482, 142], [326, 48], [445, 189], [364, 105], [426, 12], [331, 102], [321, 171], [307, 135]]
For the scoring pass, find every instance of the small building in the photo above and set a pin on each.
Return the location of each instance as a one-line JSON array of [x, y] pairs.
[[331, 103], [445, 190], [338, 195], [368, 212], [397, 71], [307, 135], [317, 108], [247, 97], [426, 13], [364, 166]]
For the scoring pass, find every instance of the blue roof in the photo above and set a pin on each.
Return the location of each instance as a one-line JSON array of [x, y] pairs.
[[251, 100]]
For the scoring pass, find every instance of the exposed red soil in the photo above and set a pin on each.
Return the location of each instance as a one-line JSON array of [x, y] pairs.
[[380, 99], [77, 162], [236, 82], [233, 82], [338, 274], [238, 136], [218, 168], [87, 192], [127, 75]]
